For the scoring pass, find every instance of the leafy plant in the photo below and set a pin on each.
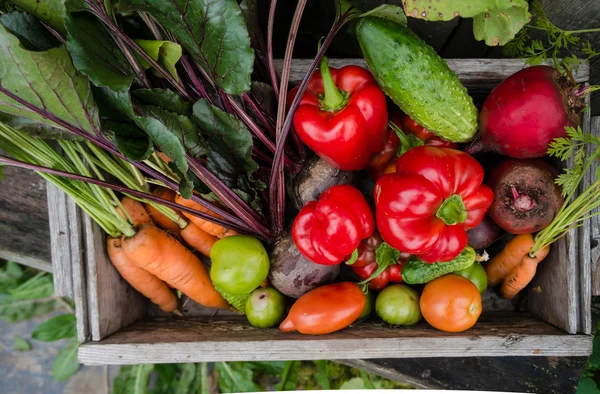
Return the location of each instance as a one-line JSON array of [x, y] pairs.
[[556, 39]]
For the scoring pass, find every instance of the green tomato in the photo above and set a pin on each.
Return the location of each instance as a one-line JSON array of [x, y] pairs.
[[369, 305], [399, 305], [265, 308], [476, 274], [240, 264]]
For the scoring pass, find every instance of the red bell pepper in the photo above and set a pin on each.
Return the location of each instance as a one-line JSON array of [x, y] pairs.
[[328, 230], [342, 116], [384, 162], [426, 207], [370, 258]]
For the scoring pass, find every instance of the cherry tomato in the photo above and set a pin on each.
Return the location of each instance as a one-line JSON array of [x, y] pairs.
[[451, 303], [265, 308], [398, 305], [325, 309], [396, 272], [377, 283], [476, 274], [366, 250], [409, 126]]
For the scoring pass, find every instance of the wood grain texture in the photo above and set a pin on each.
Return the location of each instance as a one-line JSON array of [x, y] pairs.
[[112, 302], [60, 240], [542, 375], [176, 340], [595, 231], [78, 269], [24, 228]]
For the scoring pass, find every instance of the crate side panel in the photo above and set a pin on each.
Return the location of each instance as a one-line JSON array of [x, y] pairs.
[[173, 341], [77, 269], [595, 228], [60, 240], [112, 302]]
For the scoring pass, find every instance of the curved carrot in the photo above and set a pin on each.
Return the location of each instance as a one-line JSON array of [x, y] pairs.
[[504, 262], [198, 239], [210, 227], [136, 211], [523, 273], [163, 156], [149, 285], [163, 256], [161, 220]]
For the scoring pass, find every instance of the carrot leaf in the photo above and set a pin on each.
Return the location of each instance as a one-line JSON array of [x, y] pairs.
[[214, 33]]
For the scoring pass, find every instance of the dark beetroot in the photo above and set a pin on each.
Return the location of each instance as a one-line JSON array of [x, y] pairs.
[[526, 199], [484, 234], [526, 111]]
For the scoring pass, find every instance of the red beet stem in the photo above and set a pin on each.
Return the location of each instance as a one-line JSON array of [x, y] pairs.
[[522, 202]]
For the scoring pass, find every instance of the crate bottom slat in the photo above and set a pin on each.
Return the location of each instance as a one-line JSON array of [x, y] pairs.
[[161, 340]]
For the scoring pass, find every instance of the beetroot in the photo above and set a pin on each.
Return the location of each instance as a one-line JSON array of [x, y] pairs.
[[486, 232], [526, 111], [526, 199]]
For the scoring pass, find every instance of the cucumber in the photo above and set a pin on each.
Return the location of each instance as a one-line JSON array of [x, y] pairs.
[[417, 79], [238, 301], [416, 271]]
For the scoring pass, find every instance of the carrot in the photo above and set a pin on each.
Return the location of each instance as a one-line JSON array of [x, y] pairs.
[[163, 256], [198, 239], [505, 261], [163, 156], [141, 280], [136, 211], [522, 274], [210, 227], [160, 219]]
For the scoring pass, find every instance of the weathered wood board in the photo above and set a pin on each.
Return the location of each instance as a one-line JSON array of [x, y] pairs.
[[595, 228], [63, 252], [177, 340]]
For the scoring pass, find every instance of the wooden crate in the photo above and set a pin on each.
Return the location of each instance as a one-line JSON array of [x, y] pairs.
[[116, 325]]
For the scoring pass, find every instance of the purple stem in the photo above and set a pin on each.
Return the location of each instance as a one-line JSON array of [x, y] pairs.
[[147, 18], [260, 112], [197, 85], [140, 73], [56, 34], [276, 188], [270, 59], [229, 198], [120, 189]]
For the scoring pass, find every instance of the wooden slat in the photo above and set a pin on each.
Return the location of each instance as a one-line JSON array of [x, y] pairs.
[[78, 270], [174, 341], [112, 302], [595, 232], [24, 219], [60, 240], [485, 73]]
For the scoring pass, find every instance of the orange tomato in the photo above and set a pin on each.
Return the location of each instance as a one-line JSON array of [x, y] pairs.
[[325, 309], [451, 303]]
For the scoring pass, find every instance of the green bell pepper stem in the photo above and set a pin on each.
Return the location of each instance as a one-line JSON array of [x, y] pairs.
[[333, 98]]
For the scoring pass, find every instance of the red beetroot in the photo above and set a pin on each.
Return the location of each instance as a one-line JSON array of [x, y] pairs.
[[526, 111], [526, 199]]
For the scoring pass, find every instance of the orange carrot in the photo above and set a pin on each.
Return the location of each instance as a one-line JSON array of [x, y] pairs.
[[163, 157], [210, 227], [161, 220], [505, 261], [523, 273], [198, 239], [163, 256], [136, 211], [141, 280]]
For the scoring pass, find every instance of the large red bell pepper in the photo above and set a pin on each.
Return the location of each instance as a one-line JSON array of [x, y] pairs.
[[342, 116], [328, 230], [426, 207]]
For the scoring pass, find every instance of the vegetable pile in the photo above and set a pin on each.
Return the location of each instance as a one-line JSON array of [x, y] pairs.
[[165, 132]]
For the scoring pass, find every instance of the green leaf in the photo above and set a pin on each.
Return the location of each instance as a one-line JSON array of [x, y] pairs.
[[23, 297], [21, 345], [214, 33], [32, 34], [166, 53], [48, 81], [51, 12], [587, 385], [164, 98], [353, 384], [96, 54], [1, 172], [186, 381], [390, 12], [445, 10], [130, 140], [230, 149], [137, 383], [353, 257], [289, 377], [65, 364], [59, 327], [202, 379], [499, 26], [234, 377], [36, 128]]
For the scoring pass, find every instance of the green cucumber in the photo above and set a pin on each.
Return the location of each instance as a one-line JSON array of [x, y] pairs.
[[416, 271], [238, 301], [417, 79]]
